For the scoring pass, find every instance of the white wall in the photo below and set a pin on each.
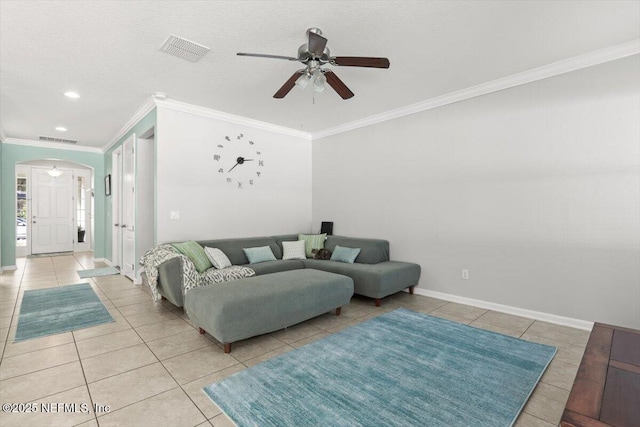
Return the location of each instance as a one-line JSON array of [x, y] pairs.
[[535, 190], [188, 181]]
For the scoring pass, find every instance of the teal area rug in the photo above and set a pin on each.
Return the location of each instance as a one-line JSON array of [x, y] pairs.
[[55, 310], [94, 272], [399, 369]]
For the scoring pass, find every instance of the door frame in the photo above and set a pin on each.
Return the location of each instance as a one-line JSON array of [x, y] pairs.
[[22, 251], [128, 207], [88, 210], [25, 167]]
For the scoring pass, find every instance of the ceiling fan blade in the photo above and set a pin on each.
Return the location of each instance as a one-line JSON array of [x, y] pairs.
[[360, 61], [338, 85], [317, 43], [262, 55], [287, 86]]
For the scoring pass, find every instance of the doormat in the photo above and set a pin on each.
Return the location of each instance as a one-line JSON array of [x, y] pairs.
[[51, 254]]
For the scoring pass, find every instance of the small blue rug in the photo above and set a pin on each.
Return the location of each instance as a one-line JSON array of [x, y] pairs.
[[104, 271], [55, 310], [399, 369]]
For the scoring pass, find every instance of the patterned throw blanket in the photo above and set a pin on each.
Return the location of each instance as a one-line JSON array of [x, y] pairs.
[[152, 259]]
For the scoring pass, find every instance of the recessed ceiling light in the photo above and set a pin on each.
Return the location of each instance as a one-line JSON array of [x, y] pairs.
[[61, 129], [72, 95]]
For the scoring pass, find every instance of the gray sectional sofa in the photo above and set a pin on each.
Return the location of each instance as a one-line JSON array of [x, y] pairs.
[[284, 292], [373, 274]]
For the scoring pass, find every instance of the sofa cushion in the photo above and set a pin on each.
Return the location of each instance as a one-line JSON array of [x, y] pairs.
[[284, 238], [259, 254], [293, 250], [233, 248], [342, 254], [217, 257], [372, 251], [195, 253]]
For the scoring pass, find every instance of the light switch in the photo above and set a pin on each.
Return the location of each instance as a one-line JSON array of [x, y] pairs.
[[174, 214]]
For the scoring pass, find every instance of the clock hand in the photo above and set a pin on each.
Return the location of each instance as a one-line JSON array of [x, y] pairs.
[[239, 161]]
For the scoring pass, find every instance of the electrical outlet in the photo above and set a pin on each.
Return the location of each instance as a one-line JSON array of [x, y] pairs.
[[465, 274]]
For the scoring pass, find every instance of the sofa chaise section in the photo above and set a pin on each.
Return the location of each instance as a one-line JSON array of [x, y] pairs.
[[373, 280]]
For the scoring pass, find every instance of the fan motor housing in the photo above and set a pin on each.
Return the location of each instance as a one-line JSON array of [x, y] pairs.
[[304, 55]]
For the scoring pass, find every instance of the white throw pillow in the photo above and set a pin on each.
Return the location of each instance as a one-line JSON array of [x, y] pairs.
[[293, 250], [217, 258]]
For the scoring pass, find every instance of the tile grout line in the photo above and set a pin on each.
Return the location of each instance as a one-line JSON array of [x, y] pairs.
[[86, 384], [158, 361]]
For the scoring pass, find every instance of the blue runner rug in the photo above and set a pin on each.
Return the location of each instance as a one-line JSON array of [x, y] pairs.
[[104, 271], [55, 310], [399, 369]]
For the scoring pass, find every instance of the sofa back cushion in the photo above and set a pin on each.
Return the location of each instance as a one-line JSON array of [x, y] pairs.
[[233, 248], [284, 238], [372, 251]]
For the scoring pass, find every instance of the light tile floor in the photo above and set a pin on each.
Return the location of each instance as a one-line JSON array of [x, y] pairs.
[[150, 365]]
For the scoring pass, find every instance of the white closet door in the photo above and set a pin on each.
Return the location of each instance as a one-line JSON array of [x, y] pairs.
[[116, 207], [128, 207], [52, 225]]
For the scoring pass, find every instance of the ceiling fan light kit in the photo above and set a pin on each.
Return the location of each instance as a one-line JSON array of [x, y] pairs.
[[314, 55]]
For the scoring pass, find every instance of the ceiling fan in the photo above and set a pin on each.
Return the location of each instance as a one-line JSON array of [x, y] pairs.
[[314, 55]]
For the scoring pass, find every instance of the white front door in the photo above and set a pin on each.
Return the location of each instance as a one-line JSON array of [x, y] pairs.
[[53, 228], [128, 207]]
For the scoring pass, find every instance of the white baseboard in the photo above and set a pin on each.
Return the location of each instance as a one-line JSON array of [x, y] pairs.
[[516, 311], [8, 268], [106, 261]]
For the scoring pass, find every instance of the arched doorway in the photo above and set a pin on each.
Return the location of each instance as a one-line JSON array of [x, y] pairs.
[[54, 207]]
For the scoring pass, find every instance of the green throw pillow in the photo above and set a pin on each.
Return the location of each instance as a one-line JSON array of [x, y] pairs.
[[195, 253], [312, 241]]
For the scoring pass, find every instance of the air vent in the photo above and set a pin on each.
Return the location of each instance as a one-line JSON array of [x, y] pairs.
[[183, 48], [61, 140]]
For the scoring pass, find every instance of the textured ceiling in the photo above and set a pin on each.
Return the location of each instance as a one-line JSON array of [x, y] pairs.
[[108, 52]]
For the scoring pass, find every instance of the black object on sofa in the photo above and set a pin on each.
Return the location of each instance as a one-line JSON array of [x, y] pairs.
[[373, 274]]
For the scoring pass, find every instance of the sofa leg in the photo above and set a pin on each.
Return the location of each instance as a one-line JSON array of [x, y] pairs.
[[227, 347], [378, 302], [202, 331], [338, 311], [411, 290]]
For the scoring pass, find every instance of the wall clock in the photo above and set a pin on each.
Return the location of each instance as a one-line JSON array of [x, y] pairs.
[[239, 161]]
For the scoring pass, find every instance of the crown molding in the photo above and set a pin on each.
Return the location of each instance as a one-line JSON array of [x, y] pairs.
[[145, 109], [57, 146], [231, 118], [556, 68]]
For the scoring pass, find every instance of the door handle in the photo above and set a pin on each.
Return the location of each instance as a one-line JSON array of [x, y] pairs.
[[123, 226]]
